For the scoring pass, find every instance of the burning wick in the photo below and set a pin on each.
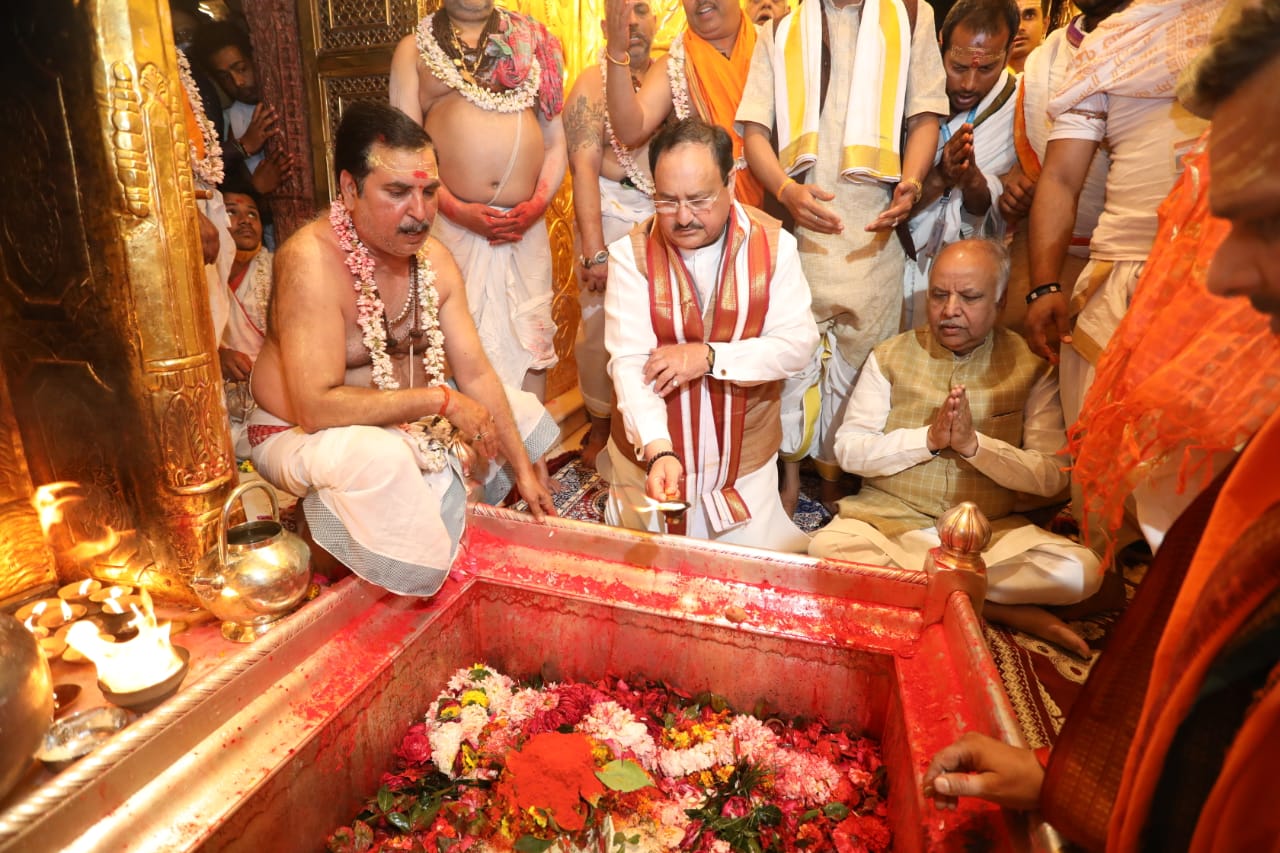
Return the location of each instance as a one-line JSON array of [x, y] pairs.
[[38, 631], [64, 614], [134, 665], [79, 592]]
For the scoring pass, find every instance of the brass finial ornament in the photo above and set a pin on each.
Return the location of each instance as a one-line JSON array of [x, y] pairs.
[[956, 564], [965, 533]]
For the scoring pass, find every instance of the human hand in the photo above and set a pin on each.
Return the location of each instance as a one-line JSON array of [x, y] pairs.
[[262, 126], [939, 435], [536, 494], [595, 277], [1017, 195], [236, 365], [1048, 325], [475, 217], [964, 439], [510, 225], [617, 26], [668, 367], [957, 156], [904, 198], [663, 481], [473, 422], [209, 239], [980, 766], [805, 202], [271, 172]]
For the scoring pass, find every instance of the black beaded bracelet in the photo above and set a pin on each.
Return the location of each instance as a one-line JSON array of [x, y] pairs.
[[661, 453], [1043, 290]]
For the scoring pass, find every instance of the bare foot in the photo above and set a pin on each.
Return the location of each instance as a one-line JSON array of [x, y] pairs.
[[1037, 622], [789, 491], [830, 492], [1110, 596], [597, 438]]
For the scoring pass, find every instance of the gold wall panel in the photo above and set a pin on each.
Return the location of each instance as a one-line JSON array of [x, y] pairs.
[[109, 352]]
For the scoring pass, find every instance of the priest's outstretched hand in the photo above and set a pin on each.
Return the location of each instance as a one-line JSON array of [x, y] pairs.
[[980, 766]]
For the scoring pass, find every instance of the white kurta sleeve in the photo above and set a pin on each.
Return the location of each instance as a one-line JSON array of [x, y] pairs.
[[1035, 468], [862, 447], [629, 337], [789, 337]]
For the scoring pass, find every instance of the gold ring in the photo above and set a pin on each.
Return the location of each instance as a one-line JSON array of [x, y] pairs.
[[479, 436]]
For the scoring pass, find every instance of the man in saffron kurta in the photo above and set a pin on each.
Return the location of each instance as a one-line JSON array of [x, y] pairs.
[[1174, 741], [847, 178], [372, 372], [959, 410], [488, 85], [706, 312], [703, 75]]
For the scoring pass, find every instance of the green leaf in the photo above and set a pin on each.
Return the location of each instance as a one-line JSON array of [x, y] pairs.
[[836, 811], [532, 844], [625, 776], [399, 821], [386, 799], [420, 817], [809, 815]]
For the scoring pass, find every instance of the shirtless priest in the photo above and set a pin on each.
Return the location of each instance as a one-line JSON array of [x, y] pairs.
[[488, 85], [369, 346]]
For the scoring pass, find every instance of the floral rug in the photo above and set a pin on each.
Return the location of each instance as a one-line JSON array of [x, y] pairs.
[[1041, 679]]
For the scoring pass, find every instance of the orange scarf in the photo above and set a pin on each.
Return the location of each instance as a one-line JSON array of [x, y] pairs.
[[716, 84], [1194, 636]]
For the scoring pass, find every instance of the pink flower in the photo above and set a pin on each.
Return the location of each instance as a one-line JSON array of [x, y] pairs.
[[735, 807]]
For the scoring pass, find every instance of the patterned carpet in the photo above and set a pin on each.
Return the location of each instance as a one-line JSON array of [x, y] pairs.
[[1042, 680]]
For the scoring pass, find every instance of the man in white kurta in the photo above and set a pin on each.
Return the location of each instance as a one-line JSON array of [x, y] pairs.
[[1118, 92], [961, 194], [706, 312], [844, 179], [959, 410]]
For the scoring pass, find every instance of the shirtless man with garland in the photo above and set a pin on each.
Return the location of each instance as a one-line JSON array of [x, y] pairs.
[[487, 86], [368, 340]]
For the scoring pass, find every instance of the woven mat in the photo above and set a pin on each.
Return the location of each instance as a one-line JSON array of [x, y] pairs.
[[1041, 679]]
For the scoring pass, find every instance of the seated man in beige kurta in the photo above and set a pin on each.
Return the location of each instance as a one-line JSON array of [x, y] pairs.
[[959, 410]]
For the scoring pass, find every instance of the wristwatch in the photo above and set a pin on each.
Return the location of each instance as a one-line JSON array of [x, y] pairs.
[[595, 260]]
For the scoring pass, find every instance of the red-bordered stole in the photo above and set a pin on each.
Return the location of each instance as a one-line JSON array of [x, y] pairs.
[[737, 312]]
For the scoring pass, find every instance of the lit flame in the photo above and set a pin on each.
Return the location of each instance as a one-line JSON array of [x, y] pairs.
[[127, 667], [67, 613], [48, 503]]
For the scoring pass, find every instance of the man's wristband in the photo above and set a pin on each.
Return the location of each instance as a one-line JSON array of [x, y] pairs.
[[648, 469], [782, 186], [1043, 290], [444, 406], [617, 61]]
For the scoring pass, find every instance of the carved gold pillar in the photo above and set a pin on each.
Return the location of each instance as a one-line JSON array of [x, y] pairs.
[[108, 346]]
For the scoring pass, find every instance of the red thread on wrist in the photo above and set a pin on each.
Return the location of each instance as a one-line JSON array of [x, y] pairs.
[[444, 407]]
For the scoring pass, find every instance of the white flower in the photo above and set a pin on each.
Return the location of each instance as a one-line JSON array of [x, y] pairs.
[[446, 740], [618, 728]]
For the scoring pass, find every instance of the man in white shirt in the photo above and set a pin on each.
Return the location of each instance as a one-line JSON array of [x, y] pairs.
[[706, 312], [960, 410]]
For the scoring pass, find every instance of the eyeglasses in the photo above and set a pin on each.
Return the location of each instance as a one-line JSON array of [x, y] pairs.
[[668, 206]]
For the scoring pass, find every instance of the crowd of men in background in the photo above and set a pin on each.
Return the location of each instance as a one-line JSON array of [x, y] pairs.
[[844, 232]]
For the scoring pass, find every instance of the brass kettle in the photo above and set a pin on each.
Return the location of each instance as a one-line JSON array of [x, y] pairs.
[[258, 573]]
